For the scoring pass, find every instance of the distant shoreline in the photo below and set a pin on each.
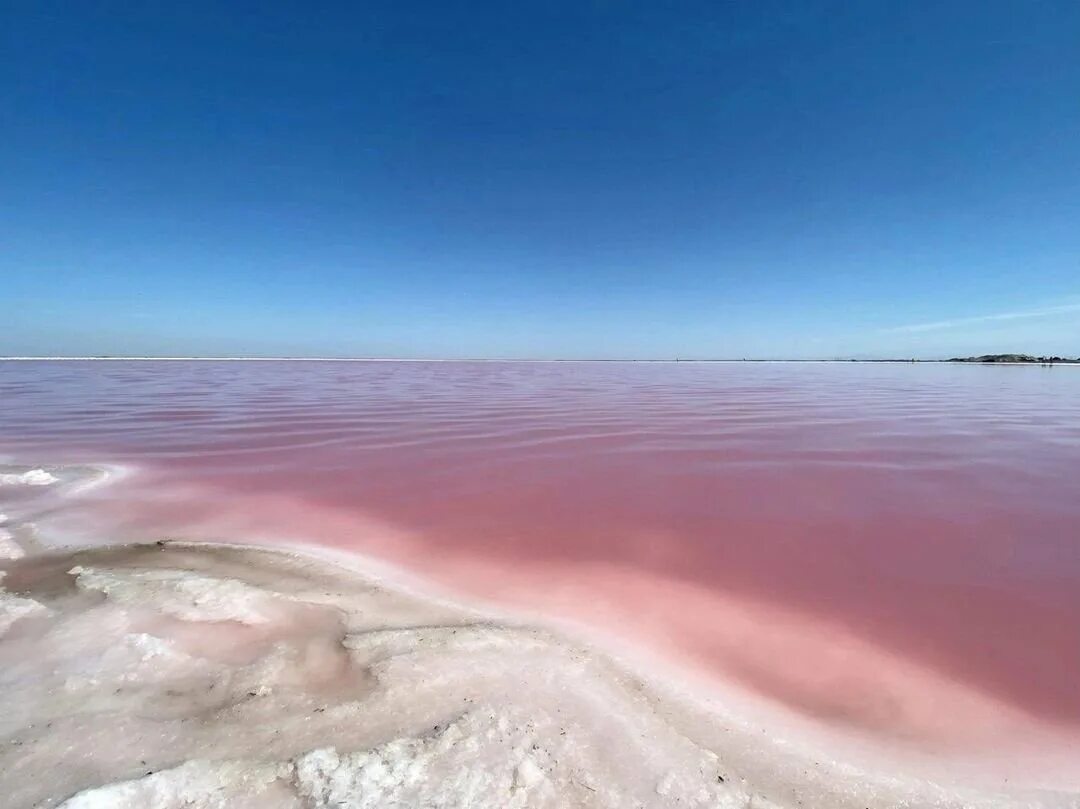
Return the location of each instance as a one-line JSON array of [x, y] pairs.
[[1016, 359], [989, 359]]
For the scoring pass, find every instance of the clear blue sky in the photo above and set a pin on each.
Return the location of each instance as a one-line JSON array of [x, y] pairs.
[[548, 179]]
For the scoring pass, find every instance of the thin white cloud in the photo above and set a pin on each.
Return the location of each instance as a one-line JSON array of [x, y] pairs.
[[1048, 311]]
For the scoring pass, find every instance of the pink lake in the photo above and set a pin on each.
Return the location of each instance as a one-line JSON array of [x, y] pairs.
[[891, 549]]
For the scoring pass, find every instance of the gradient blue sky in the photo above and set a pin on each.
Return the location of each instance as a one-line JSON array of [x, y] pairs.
[[555, 179]]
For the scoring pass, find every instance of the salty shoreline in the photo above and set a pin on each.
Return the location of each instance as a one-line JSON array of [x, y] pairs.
[[293, 622], [176, 674]]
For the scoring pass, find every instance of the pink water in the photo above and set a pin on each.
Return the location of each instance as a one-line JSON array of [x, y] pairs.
[[893, 549]]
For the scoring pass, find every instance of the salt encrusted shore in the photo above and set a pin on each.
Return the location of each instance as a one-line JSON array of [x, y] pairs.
[[175, 675]]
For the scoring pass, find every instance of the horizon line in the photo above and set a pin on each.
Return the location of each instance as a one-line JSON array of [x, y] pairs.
[[672, 360]]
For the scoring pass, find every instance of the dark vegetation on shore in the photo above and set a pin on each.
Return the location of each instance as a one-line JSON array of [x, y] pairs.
[[1026, 358]]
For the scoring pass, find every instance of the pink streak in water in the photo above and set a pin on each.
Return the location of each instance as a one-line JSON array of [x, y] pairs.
[[888, 547]]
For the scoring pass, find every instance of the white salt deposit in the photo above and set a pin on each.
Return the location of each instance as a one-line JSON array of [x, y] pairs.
[[202, 784], [12, 608], [32, 477], [218, 677], [9, 548], [179, 593]]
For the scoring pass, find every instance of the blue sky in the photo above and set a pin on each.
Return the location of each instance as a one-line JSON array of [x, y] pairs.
[[557, 179]]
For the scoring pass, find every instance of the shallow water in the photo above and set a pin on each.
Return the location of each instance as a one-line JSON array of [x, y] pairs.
[[889, 548]]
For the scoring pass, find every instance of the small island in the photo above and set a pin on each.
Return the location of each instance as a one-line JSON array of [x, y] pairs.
[[1017, 358]]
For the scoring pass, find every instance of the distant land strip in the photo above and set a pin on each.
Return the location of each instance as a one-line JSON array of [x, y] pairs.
[[1003, 359], [1025, 359]]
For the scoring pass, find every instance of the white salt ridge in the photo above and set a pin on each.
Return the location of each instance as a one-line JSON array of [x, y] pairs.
[[482, 760], [192, 785], [32, 477], [180, 594]]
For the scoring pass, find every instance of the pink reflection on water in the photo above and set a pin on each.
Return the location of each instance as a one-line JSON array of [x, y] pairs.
[[889, 547]]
